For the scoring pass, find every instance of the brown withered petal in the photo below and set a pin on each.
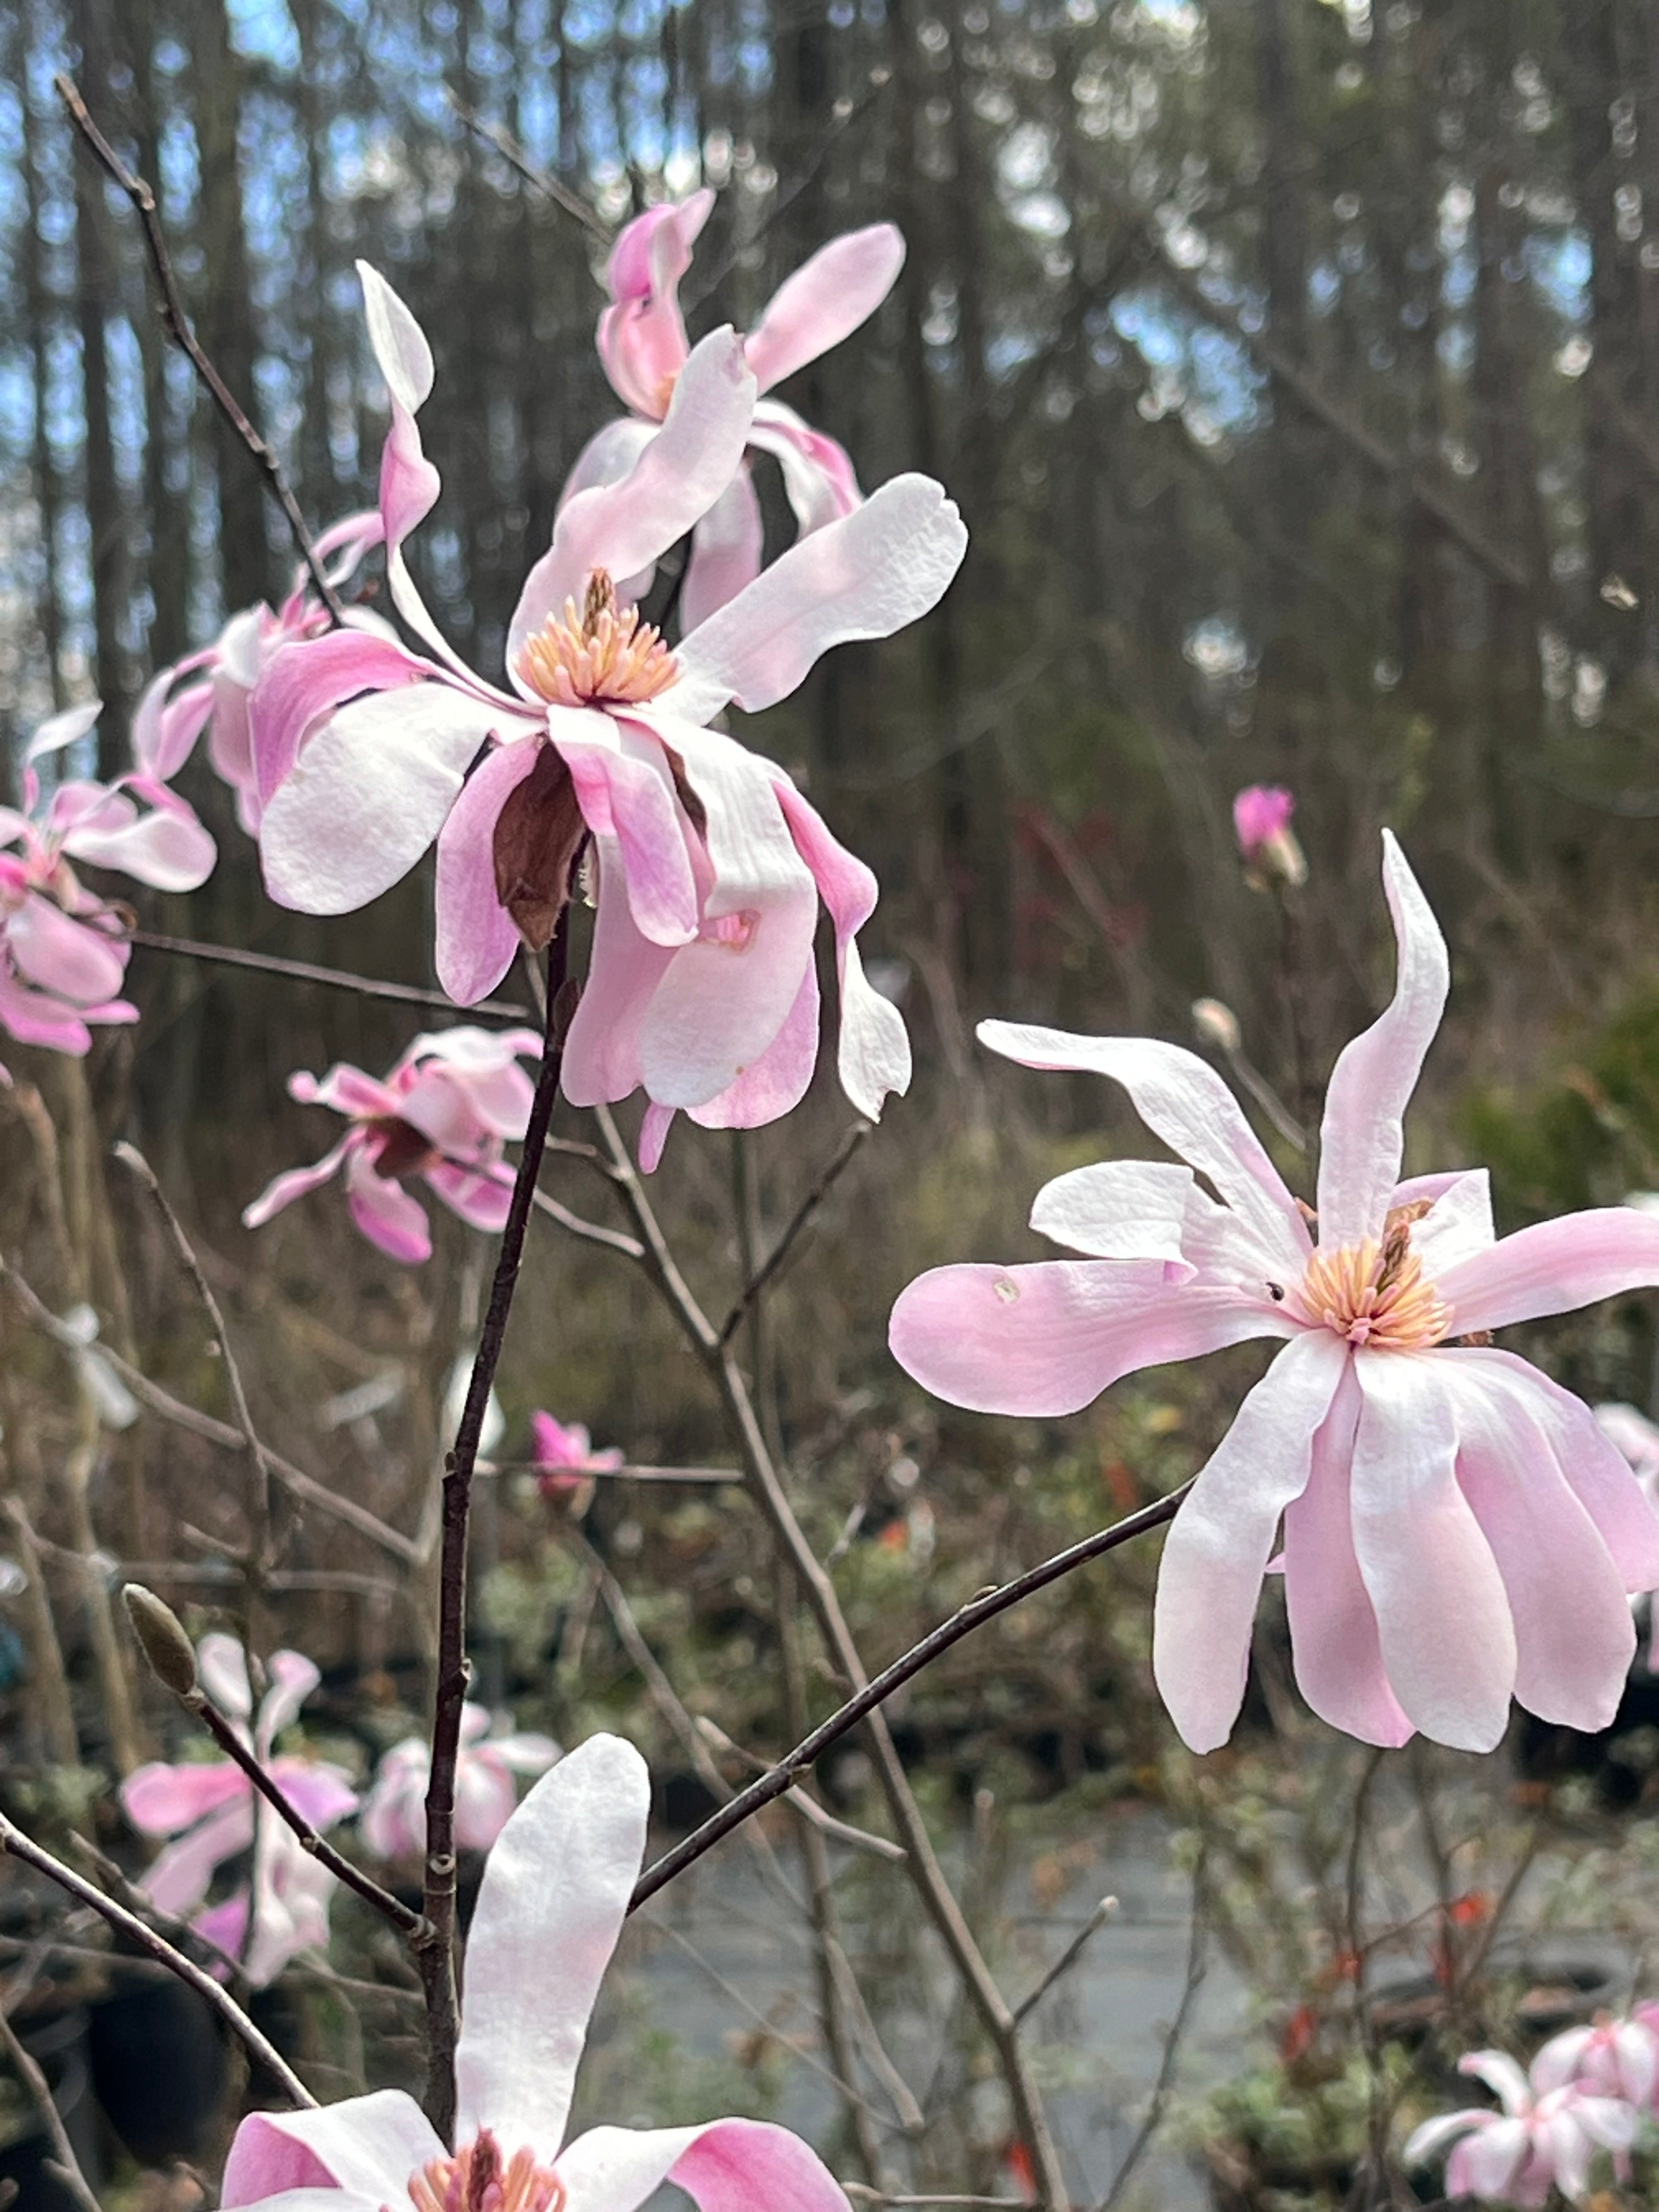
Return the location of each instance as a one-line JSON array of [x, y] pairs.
[[404, 1148], [537, 835]]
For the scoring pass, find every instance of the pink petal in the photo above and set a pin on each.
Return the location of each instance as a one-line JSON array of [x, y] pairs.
[[165, 728], [303, 682], [292, 1891], [482, 1200], [864, 576], [539, 1947], [1459, 1222], [1443, 1614], [347, 1090], [655, 1123], [222, 1666], [606, 458], [387, 1214], [484, 1800], [366, 2145], [818, 477], [873, 1056], [624, 527], [1555, 1266], [1361, 1139], [1427, 2142], [66, 956], [34, 1018], [352, 538], [439, 1103], [179, 1878], [724, 2165], [1182, 1099], [1503, 2077], [296, 1182], [1574, 1635], [1047, 1339], [776, 1084], [321, 1792], [477, 940], [726, 551], [293, 1678], [167, 848], [1217, 1550], [625, 790], [1486, 2162], [1119, 1210], [641, 334], [624, 969], [369, 792], [825, 301], [161, 1800], [1334, 1646], [1559, 2062], [67, 728]]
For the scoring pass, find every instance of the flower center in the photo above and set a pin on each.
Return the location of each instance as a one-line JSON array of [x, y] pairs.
[[1376, 1294], [400, 1148], [476, 2181], [599, 651]]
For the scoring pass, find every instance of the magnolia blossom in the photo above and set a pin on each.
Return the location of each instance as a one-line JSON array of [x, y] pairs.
[[643, 346], [443, 1114], [1456, 1528], [64, 951], [1610, 2058], [212, 1811], [565, 1456], [1261, 823], [393, 1822], [550, 1907], [708, 863], [210, 689], [1543, 2138]]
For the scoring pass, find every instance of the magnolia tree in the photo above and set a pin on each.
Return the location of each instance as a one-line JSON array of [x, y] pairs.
[[1453, 1530]]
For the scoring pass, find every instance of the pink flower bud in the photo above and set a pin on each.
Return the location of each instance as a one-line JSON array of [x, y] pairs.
[[1261, 823]]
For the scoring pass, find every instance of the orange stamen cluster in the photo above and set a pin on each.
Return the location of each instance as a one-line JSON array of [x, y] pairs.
[[1375, 1294], [476, 2181], [597, 654]]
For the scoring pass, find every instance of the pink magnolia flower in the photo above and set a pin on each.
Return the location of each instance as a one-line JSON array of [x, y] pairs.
[[709, 863], [564, 1455], [212, 1812], [550, 1907], [210, 689], [1542, 2139], [1261, 823], [643, 346], [64, 951], [443, 1113], [393, 1822], [1610, 2058], [1456, 1528]]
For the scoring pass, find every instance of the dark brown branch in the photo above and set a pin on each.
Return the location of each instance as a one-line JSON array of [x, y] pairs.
[[498, 136], [19, 1846], [436, 1958], [812, 1747], [779, 1256], [179, 329], [338, 979]]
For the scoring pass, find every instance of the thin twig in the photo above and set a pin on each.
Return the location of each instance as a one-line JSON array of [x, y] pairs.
[[436, 1958], [65, 2166], [336, 978], [178, 328], [1167, 2064], [875, 1693], [169, 1408], [778, 1257], [841, 1831], [19, 1846], [498, 136], [699, 1477], [590, 1232], [1068, 1958]]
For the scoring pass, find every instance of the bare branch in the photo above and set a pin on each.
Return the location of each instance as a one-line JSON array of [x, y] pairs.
[[1068, 1958], [1168, 2063], [778, 1257], [336, 978], [498, 136]]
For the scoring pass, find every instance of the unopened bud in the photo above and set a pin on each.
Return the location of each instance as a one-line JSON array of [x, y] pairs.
[[1216, 1024], [1261, 823], [162, 1639]]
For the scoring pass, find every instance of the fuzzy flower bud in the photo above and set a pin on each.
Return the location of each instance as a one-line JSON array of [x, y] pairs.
[[1261, 823], [162, 1639], [1217, 1025]]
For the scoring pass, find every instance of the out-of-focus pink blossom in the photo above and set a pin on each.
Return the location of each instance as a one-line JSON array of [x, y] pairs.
[[1637, 1439], [643, 346], [393, 1821], [1609, 2058], [63, 949], [1456, 1529], [708, 863], [443, 1114], [210, 689], [1541, 2139], [565, 1455], [212, 1813], [550, 1906], [1261, 823]]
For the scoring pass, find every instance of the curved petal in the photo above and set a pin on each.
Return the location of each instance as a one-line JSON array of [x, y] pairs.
[[726, 551], [180, 1877], [317, 1789], [292, 1679], [303, 682], [626, 790], [1574, 1637], [1488, 2161], [482, 1200], [641, 334], [1182, 1099], [1334, 1647], [723, 2166], [1361, 1139], [386, 1213], [165, 728], [607, 457], [864, 576], [624, 969], [484, 1799], [369, 793], [1047, 1338], [167, 848], [296, 1182], [1217, 1551], [550, 1907], [1553, 1267], [776, 1084], [33, 1018], [1503, 2077], [1119, 1210], [161, 1800], [1557, 2062], [1458, 1223], [66, 728], [63, 955], [1429, 2140], [625, 526], [366, 2145], [1442, 1613], [478, 938], [825, 301], [222, 1665], [819, 479]]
